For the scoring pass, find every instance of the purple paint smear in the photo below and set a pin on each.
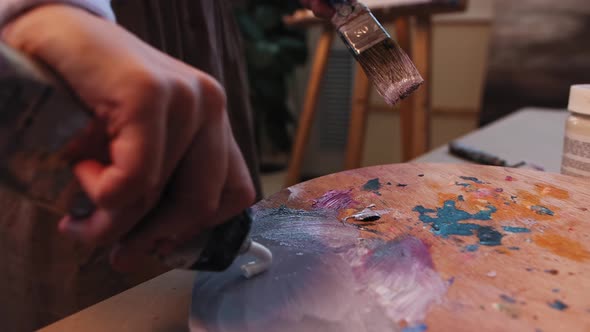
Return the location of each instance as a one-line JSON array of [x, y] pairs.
[[335, 199], [324, 278]]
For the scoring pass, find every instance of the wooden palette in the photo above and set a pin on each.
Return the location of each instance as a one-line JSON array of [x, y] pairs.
[[510, 245]]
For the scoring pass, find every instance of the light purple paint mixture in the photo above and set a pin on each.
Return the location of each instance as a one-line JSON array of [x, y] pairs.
[[335, 200], [324, 278]]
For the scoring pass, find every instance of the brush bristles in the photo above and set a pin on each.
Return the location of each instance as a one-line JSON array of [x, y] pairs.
[[391, 71]]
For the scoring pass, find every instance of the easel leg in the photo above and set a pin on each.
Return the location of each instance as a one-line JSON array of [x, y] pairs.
[[358, 119], [309, 106]]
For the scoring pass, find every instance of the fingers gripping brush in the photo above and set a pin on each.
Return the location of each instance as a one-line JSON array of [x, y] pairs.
[[385, 63], [44, 128]]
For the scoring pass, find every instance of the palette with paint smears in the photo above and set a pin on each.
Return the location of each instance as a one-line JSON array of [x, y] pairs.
[[447, 248]]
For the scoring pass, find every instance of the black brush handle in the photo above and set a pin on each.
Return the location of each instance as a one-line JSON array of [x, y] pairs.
[[473, 155], [224, 243]]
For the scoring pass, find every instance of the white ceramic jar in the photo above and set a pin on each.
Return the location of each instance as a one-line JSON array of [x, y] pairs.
[[576, 147]]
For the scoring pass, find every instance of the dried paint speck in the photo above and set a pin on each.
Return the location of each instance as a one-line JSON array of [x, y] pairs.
[[472, 179], [541, 210], [507, 298], [416, 328], [558, 305], [511, 229]]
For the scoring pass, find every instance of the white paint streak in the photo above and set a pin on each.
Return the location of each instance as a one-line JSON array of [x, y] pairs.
[[323, 278]]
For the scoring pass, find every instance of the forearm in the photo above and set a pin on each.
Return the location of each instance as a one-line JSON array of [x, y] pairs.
[[12, 8]]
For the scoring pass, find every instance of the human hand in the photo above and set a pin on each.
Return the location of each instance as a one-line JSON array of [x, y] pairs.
[[321, 8], [167, 127]]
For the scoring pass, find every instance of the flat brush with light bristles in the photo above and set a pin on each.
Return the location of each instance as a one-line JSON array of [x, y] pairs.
[[385, 63]]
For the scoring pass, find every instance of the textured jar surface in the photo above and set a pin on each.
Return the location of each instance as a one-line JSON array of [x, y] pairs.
[[576, 146]]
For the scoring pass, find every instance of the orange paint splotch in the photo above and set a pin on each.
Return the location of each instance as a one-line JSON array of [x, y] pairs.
[[443, 197], [507, 209], [433, 185], [562, 246], [504, 251], [548, 190], [526, 198]]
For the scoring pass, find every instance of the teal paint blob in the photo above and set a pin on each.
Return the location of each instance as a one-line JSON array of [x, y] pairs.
[[511, 229], [541, 210], [488, 236], [471, 247], [373, 185], [447, 222]]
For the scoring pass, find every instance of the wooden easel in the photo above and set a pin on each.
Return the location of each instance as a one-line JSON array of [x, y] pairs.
[[413, 28]]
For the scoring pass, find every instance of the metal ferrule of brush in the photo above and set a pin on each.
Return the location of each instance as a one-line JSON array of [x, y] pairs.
[[358, 28]]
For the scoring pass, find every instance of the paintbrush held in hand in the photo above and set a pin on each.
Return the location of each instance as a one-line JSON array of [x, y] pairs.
[[385, 63]]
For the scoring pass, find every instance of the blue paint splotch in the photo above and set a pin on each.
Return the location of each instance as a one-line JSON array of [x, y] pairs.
[[373, 185], [472, 247], [415, 328], [507, 299], [448, 218], [472, 179], [542, 210], [511, 229], [558, 305]]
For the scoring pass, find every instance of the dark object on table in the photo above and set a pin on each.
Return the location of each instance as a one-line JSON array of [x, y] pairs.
[[473, 155], [479, 157]]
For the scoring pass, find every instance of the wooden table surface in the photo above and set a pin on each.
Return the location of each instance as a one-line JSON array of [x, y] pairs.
[[499, 250]]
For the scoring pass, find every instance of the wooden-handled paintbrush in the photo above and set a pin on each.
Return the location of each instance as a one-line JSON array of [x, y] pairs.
[[385, 63]]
